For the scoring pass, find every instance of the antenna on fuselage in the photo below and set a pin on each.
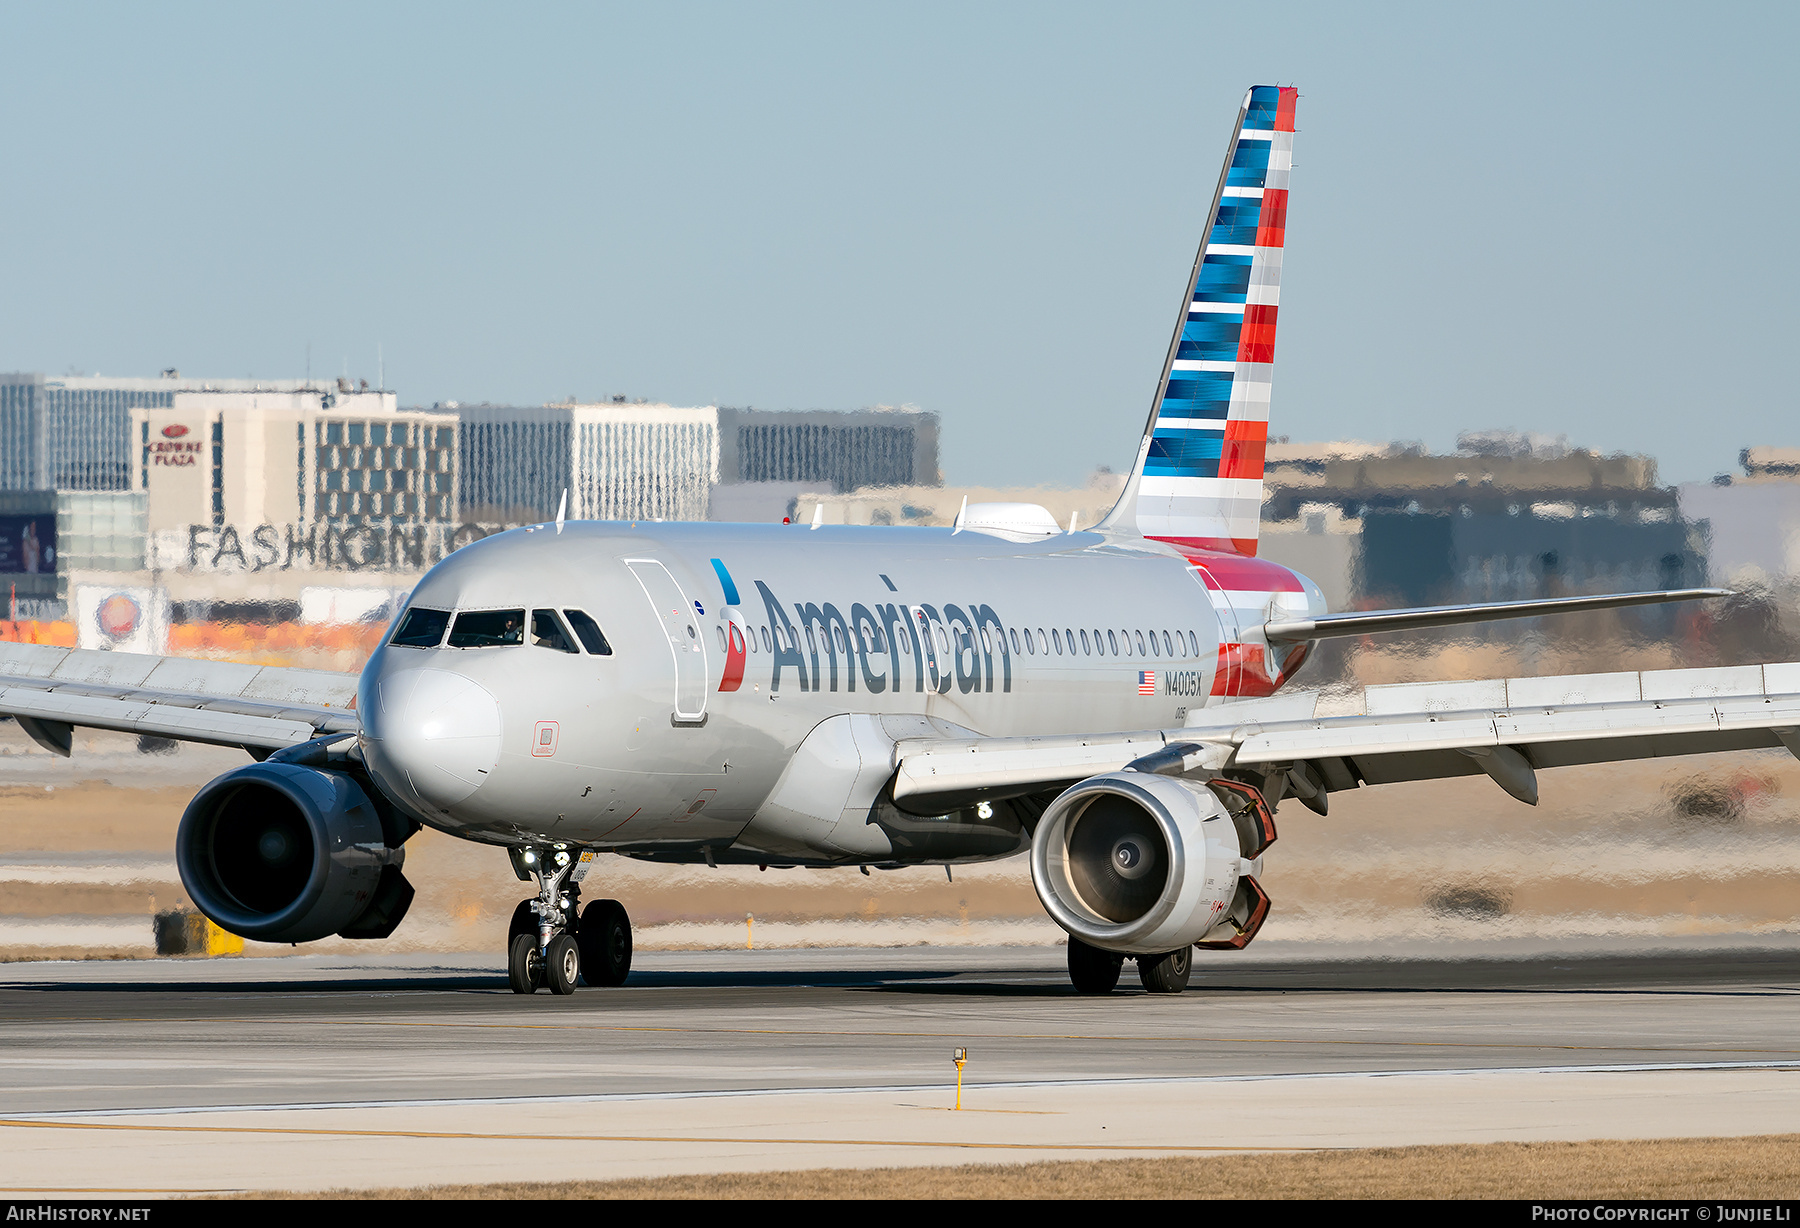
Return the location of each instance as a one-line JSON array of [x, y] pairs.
[[1072, 516], [562, 510], [818, 515], [956, 525]]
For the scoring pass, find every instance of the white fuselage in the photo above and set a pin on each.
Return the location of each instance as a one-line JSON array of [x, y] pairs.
[[678, 737]]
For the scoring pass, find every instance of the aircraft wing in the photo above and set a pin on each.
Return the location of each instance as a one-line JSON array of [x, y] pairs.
[[258, 707], [1314, 744]]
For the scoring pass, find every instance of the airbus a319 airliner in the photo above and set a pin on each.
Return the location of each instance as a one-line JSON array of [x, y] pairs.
[[1110, 700]]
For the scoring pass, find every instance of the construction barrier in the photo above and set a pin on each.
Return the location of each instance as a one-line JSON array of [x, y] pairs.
[[180, 932], [31, 631], [253, 643]]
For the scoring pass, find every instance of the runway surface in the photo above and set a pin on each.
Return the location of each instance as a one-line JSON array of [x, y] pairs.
[[315, 1072]]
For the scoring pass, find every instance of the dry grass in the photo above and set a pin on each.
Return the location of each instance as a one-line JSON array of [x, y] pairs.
[[1727, 1168]]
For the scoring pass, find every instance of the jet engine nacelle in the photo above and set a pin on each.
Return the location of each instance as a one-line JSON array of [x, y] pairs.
[[1142, 864], [281, 852]]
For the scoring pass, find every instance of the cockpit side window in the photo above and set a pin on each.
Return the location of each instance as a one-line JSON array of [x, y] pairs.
[[589, 631], [488, 629], [547, 632], [421, 628]]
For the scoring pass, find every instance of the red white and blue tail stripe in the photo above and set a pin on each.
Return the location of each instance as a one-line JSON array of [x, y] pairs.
[[1198, 480]]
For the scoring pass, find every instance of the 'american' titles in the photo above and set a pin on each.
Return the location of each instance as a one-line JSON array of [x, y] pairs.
[[888, 644]]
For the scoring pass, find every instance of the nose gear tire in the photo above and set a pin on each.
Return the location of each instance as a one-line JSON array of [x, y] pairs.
[[524, 966], [1092, 970], [1166, 973], [562, 965], [605, 937]]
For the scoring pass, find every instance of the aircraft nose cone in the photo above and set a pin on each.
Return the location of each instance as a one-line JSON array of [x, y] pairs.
[[434, 732]]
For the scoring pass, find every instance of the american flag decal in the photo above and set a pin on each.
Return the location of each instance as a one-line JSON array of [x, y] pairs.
[[1146, 682]]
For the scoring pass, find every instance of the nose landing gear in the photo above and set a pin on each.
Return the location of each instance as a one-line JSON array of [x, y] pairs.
[[552, 941]]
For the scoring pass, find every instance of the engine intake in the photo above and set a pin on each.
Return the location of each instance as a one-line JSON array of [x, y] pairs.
[[280, 852], [1142, 864]]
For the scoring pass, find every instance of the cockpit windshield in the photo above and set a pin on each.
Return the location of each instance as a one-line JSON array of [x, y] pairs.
[[589, 631], [488, 629], [421, 628], [547, 632]]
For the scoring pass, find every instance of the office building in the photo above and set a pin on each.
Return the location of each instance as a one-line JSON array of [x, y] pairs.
[[292, 457], [617, 461], [1507, 516], [1751, 521], [46, 535], [73, 432], [257, 480], [833, 450]]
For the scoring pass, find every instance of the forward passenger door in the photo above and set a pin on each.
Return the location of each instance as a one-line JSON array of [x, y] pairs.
[[680, 622]]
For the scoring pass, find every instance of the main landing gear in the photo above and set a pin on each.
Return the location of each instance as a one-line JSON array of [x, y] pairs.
[[552, 941], [1094, 971]]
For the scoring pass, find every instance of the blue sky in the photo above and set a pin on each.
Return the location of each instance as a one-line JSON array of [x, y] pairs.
[[1563, 218]]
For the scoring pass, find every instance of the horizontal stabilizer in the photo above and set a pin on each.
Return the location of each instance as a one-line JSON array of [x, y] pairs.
[[1375, 622]]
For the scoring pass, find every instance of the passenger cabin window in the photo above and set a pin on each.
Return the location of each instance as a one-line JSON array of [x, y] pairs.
[[547, 632], [588, 631], [421, 628], [488, 629]]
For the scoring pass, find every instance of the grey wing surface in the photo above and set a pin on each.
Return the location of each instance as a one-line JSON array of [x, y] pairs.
[[1507, 728], [261, 708]]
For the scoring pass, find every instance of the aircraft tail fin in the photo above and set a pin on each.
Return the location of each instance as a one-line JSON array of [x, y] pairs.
[[1198, 478]]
